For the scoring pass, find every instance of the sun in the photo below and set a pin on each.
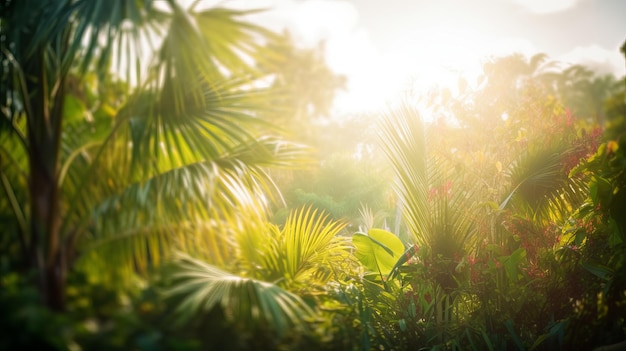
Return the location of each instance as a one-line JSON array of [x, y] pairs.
[[442, 45], [415, 63]]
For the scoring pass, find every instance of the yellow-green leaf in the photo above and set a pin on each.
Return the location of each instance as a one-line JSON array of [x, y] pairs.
[[378, 250]]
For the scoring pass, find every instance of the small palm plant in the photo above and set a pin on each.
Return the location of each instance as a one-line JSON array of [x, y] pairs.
[[438, 201], [276, 267]]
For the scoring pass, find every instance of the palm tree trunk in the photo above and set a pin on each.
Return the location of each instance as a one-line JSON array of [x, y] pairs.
[[45, 226], [44, 134]]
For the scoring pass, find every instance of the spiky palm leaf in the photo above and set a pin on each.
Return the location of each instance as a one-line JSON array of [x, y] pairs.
[[436, 199], [438, 202], [541, 187], [404, 143], [307, 251]]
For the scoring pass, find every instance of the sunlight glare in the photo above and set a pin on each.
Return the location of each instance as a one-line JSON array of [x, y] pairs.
[[416, 63]]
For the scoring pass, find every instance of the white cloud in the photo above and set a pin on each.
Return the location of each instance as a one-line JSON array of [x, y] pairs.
[[546, 6], [599, 59]]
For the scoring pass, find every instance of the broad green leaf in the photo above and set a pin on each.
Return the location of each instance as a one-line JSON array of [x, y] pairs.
[[378, 250]]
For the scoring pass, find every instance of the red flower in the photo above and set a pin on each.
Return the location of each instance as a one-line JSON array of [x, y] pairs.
[[568, 115], [474, 276]]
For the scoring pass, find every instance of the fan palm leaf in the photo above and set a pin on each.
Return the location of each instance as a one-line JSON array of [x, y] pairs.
[[136, 223], [200, 287]]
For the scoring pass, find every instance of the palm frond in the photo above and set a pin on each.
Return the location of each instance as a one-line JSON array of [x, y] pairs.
[[201, 49], [304, 254], [309, 241], [141, 148], [228, 116], [541, 186], [233, 42], [150, 219], [201, 287], [234, 186], [404, 142], [229, 174], [438, 202], [76, 30]]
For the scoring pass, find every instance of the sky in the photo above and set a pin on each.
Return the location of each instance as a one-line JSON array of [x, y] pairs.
[[388, 48]]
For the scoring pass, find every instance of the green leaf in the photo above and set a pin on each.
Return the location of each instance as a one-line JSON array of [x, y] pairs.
[[378, 250], [599, 271], [402, 324], [516, 339], [580, 237], [402, 260], [487, 340]]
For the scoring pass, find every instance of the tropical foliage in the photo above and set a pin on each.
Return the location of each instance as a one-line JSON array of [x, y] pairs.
[[108, 178], [161, 196]]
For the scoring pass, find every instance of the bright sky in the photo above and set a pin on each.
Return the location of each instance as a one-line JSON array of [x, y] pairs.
[[387, 47]]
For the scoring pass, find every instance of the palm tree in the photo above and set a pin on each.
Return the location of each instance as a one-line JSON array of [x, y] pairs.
[[175, 161]]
